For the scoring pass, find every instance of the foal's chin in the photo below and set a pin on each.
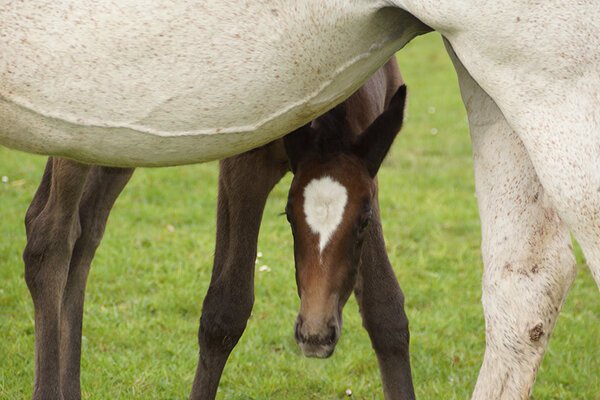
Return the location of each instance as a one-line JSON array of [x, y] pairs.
[[317, 345], [317, 351]]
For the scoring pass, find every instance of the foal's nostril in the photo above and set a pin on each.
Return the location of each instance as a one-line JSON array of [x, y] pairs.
[[297, 327], [332, 336], [319, 342], [327, 337]]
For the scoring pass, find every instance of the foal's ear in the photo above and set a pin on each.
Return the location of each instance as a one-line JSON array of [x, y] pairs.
[[374, 143], [298, 144]]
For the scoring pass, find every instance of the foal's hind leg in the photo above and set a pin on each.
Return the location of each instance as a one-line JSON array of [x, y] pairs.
[[381, 303], [526, 248], [103, 186], [52, 225], [64, 228], [244, 183]]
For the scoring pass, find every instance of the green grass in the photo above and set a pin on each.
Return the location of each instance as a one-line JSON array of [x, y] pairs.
[[147, 282]]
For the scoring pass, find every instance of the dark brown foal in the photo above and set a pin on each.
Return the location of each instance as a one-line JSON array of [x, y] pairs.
[[244, 184], [66, 220], [334, 213]]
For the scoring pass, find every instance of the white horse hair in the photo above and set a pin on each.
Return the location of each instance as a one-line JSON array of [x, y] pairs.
[[132, 83]]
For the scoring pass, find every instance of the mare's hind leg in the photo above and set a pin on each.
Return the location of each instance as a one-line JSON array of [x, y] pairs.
[[381, 303], [103, 186], [52, 225], [527, 254], [245, 182]]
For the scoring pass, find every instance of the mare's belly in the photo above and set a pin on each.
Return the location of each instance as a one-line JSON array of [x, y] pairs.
[[169, 82]]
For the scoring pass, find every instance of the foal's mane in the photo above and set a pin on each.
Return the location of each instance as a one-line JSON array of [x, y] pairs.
[[332, 133]]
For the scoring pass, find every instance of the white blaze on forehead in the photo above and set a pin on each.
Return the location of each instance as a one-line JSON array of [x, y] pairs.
[[324, 203]]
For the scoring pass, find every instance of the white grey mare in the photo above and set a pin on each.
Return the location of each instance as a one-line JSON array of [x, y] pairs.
[[128, 83]]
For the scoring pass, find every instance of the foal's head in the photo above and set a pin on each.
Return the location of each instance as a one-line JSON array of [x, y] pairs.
[[329, 208]]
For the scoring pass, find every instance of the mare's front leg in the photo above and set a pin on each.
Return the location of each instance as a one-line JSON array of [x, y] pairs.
[[52, 225], [527, 253], [381, 303], [103, 186], [245, 182]]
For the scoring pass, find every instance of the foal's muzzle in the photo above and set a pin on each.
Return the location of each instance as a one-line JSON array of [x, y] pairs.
[[319, 342]]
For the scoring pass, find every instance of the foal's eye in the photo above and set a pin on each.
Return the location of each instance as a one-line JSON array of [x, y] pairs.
[[365, 219], [364, 224]]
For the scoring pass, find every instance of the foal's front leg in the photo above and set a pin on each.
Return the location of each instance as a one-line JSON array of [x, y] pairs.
[[381, 303], [245, 182]]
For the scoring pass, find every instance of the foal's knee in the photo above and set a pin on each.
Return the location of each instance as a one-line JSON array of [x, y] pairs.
[[393, 338], [388, 327], [224, 318]]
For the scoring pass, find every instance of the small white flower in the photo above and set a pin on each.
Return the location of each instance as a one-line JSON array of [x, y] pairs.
[[264, 268], [348, 392], [4, 179], [259, 254], [434, 131]]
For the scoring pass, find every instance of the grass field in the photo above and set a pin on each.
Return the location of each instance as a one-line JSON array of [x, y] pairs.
[[151, 272]]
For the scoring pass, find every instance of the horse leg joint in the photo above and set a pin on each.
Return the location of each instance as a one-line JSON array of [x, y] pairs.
[[223, 320]]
